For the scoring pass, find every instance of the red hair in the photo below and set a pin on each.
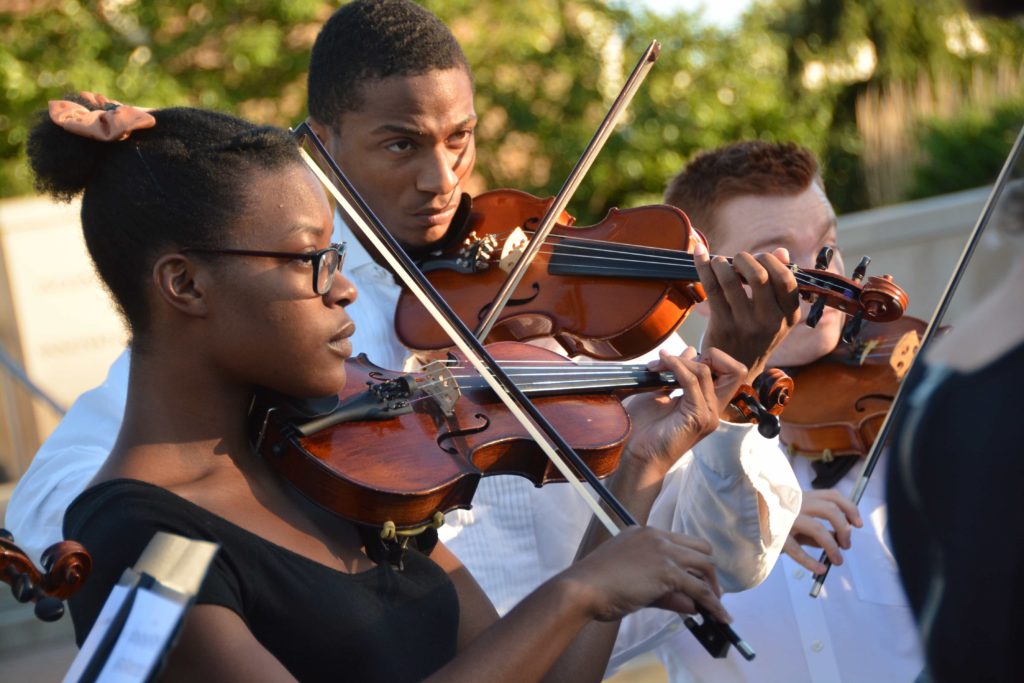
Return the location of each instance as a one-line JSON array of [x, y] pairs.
[[752, 167]]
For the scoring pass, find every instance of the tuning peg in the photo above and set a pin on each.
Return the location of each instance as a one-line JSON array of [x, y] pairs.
[[769, 426], [861, 269], [49, 609], [824, 258], [21, 588], [852, 327], [817, 309]]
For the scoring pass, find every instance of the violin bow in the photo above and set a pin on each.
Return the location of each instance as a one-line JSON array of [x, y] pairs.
[[929, 334], [714, 636], [569, 187]]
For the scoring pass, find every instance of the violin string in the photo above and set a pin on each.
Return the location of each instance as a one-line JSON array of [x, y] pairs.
[[683, 259], [595, 376], [535, 385], [556, 364]]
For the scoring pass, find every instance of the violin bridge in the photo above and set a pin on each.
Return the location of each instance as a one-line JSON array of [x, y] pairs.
[[441, 386], [512, 249], [903, 354]]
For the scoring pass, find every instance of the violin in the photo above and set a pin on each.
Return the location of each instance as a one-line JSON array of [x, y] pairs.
[[845, 396], [640, 259], [66, 566], [450, 406]]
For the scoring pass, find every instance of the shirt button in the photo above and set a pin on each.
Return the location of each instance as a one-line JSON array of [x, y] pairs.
[[798, 574], [817, 646], [673, 627]]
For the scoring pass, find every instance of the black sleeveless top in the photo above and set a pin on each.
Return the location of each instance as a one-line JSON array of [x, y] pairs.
[[321, 624], [955, 513]]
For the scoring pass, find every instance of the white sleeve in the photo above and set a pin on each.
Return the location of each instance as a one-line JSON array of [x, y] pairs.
[[715, 496], [66, 462], [712, 493]]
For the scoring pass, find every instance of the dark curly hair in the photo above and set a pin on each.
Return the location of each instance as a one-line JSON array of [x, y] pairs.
[[750, 167], [178, 184], [370, 40]]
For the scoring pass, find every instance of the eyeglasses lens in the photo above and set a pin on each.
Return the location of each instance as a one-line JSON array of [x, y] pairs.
[[329, 264]]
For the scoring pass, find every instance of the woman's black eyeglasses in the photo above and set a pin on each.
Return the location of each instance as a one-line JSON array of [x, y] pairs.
[[326, 262]]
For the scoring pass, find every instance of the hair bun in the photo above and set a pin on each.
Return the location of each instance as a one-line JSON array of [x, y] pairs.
[[63, 163]]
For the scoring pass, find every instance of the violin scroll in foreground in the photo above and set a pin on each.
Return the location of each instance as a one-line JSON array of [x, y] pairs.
[[641, 259], [66, 566], [763, 402]]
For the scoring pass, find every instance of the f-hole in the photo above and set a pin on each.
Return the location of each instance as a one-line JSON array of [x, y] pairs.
[[512, 302], [457, 433]]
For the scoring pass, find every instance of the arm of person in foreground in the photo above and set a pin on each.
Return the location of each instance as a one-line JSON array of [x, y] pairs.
[[639, 568]]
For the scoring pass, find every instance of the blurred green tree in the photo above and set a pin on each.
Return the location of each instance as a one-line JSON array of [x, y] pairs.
[[840, 49], [545, 72], [243, 56]]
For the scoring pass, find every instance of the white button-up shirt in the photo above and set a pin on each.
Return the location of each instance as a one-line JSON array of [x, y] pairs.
[[516, 536], [859, 630]]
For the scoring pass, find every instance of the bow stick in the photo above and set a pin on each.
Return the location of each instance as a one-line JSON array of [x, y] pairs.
[[569, 187], [933, 326], [713, 635]]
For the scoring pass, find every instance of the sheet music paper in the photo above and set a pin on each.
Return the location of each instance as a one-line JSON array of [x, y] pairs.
[[143, 614], [144, 639]]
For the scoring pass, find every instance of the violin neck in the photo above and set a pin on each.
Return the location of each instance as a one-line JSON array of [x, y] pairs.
[[595, 258], [558, 379]]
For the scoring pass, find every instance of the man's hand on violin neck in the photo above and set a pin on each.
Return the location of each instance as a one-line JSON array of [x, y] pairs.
[[753, 302], [664, 428]]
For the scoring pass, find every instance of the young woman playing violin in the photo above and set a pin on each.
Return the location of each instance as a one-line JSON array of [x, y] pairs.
[[214, 240]]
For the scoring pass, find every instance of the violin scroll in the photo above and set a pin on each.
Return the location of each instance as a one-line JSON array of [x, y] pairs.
[[880, 300], [763, 402], [66, 566]]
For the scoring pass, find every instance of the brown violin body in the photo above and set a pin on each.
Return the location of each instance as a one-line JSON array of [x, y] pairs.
[[844, 397], [610, 291], [399, 449], [575, 308], [408, 465]]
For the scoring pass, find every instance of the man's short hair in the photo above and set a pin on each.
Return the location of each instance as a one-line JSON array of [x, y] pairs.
[[370, 40], [752, 167]]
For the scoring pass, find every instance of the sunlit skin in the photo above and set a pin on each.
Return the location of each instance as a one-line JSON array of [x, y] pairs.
[[408, 149], [219, 326], [272, 300], [802, 224]]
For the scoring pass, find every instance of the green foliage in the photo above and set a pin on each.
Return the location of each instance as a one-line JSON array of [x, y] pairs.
[[836, 40], [240, 56], [545, 72], [965, 152]]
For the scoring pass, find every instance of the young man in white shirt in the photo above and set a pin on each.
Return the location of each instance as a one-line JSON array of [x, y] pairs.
[[391, 95], [758, 196]]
